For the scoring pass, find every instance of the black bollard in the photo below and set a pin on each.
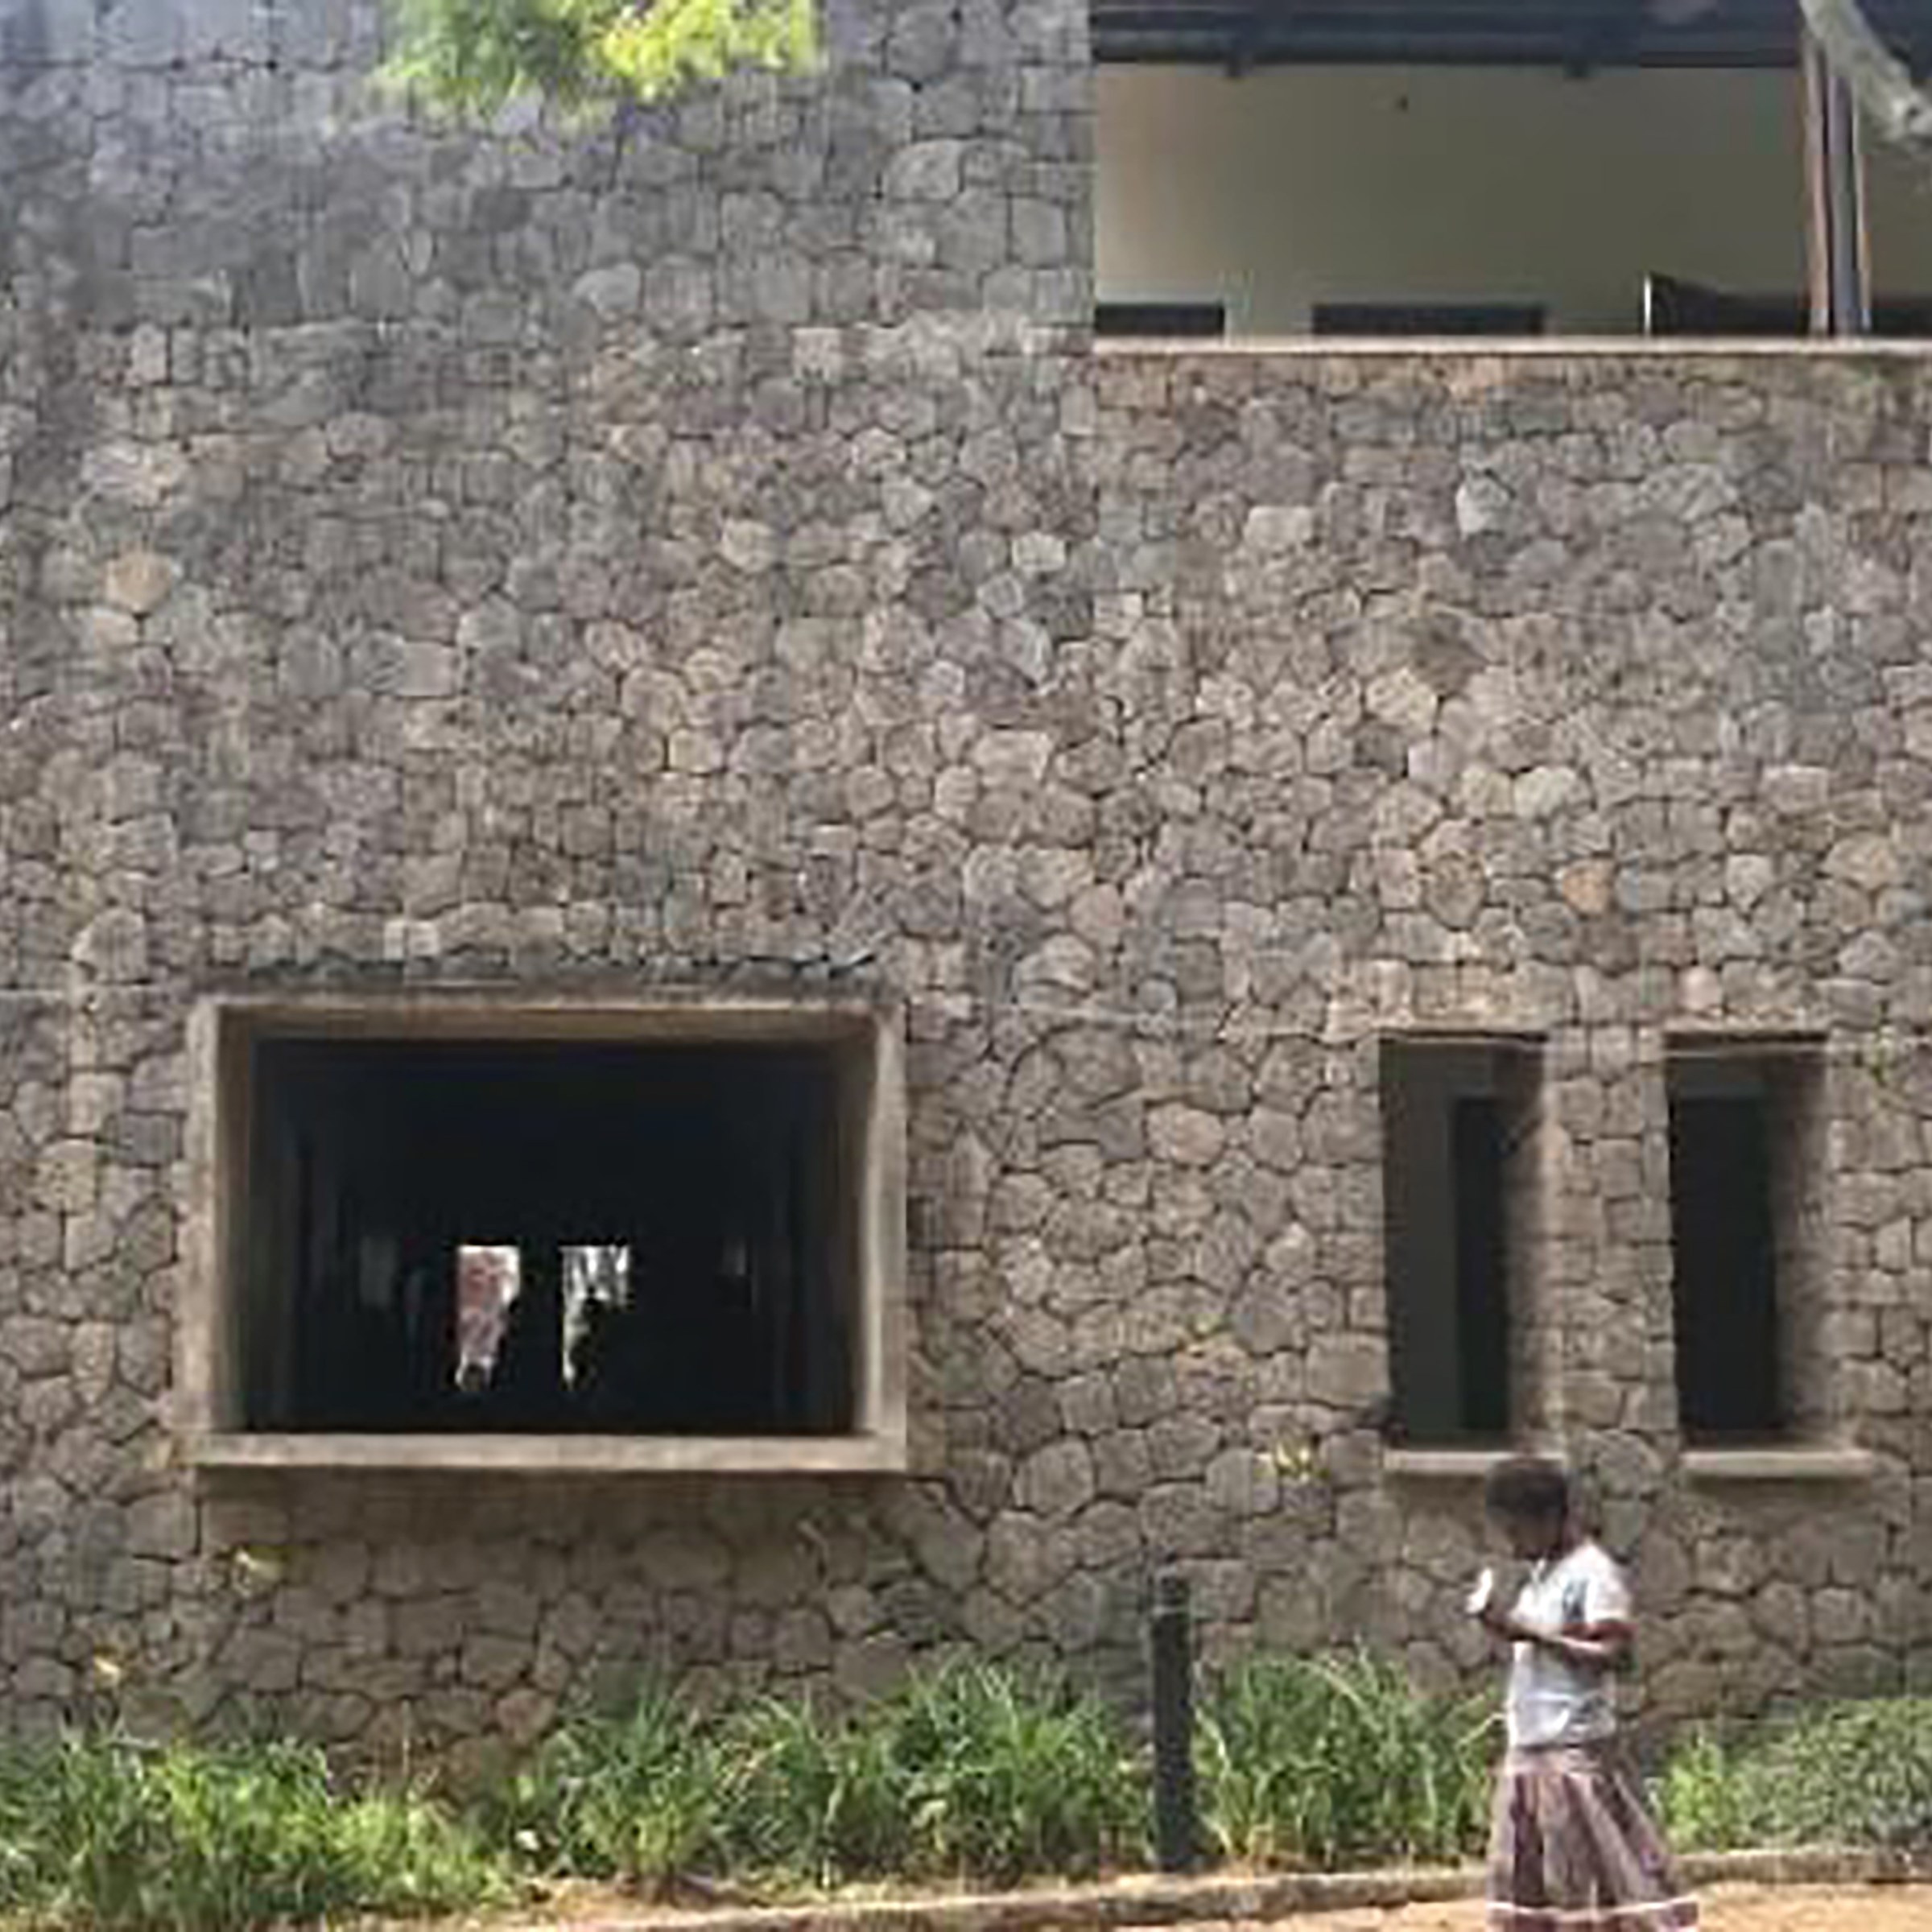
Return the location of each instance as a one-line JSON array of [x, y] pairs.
[[1173, 1647]]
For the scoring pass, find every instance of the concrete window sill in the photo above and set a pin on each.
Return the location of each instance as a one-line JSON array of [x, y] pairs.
[[1801, 1463], [553, 1455], [1446, 1465]]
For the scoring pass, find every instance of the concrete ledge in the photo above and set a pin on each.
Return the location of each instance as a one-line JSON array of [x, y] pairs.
[[1444, 1465], [554, 1454], [1799, 1463], [1154, 1901], [1820, 1866], [1139, 1901], [1518, 348]]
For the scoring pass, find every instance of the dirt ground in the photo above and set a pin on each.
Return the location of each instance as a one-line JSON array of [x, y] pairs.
[[1725, 1908], [1879, 1908]]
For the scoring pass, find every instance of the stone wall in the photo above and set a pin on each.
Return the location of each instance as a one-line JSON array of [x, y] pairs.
[[707, 552]]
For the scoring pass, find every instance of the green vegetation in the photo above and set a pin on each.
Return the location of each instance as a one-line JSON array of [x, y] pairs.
[[1010, 1775], [969, 1772], [630, 1794], [470, 56], [104, 1831], [1340, 1760], [1840, 1774]]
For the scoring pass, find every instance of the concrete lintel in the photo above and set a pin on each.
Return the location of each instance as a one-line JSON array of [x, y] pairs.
[[670, 1013], [588, 1455]]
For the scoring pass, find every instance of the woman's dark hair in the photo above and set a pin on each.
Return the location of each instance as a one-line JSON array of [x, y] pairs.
[[1527, 1488]]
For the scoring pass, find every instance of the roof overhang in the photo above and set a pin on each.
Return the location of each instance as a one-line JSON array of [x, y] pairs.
[[1576, 36]]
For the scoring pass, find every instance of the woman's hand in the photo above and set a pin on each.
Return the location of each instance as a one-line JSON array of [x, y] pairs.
[[1607, 1646], [1499, 1622], [1591, 1646]]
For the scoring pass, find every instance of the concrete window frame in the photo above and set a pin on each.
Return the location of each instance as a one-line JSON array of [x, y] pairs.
[[1790, 1076], [1512, 1073], [867, 1034]]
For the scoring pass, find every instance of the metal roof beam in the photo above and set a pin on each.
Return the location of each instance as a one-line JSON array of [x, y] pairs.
[[1609, 37], [1578, 35]]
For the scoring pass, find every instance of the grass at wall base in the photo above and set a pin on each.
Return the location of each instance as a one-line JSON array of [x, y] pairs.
[[970, 1774]]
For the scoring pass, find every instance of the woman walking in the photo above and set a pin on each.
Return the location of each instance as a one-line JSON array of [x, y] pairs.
[[1573, 1847]]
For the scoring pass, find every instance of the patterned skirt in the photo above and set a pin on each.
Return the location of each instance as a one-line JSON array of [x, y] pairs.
[[1574, 1849]]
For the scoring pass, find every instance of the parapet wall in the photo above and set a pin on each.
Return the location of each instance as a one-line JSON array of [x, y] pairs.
[[703, 553]]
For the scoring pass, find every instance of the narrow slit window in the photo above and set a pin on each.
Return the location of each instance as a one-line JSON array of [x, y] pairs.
[[1746, 1172], [1457, 1189]]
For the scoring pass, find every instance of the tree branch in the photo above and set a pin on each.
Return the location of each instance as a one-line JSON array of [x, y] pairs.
[[1892, 103]]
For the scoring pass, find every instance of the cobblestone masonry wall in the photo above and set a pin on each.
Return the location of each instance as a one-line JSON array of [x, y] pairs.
[[586, 560]]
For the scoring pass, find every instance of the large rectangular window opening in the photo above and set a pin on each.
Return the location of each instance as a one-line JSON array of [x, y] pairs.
[[1747, 1235], [469, 1223], [1363, 168], [1459, 1193]]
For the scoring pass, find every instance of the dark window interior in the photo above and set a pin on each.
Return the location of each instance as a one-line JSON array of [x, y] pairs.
[[1160, 320], [1482, 1300], [1725, 1267], [1453, 1197], [467, 1235], [1673, 307], [1428, 319]]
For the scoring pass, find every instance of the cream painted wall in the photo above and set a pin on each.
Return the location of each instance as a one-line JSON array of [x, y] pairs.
[[1898, 220], [1289, 186]]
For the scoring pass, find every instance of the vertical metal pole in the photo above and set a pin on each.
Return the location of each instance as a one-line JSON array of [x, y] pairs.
[[1840, 276], [1173, 1648]]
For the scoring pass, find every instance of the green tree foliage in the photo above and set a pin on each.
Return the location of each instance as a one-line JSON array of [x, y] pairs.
[[470, 56]]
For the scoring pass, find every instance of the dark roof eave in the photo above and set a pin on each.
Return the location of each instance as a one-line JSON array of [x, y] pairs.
[[1577, 36]]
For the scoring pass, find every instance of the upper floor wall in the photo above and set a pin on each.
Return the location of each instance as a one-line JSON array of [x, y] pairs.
[[218, 162]]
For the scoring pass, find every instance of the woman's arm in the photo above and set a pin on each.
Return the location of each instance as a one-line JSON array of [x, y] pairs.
[[1602, 1646], [1606, 1645], [1615, 1637]]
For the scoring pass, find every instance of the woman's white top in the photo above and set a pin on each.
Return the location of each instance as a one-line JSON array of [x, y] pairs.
[[1552, 1701]]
